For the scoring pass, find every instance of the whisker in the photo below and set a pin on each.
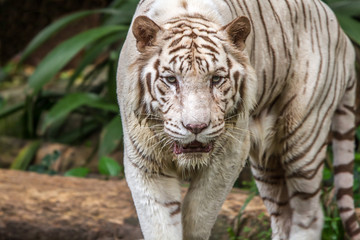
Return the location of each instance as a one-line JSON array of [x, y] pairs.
[[156, 126], [154, 136], [233, 116], [239, 130], [221, 143], [151, 117], [230, 135], [157, 144], [168, 142]]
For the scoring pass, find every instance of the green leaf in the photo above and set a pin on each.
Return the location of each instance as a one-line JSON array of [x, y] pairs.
[[125, 13], [334, 225], [111, 82], [78, 134], [2, 103], [356, 185], [246, 229], [247, 201], [67, 104], [357, 156], [73, 101], [110, 136], [92, 54], [350, 26], [101, 104], [116, 3], [327, 174], [3, 74], [358, 133], [6, 111], [77, 172], [109, 167], [63, 53], [231, 232], [50, 30], [49, 159], [348, 8], [45, 166], [25, 156]]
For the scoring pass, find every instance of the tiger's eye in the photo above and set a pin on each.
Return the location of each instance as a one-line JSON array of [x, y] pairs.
[[171, 79], [216, 79]]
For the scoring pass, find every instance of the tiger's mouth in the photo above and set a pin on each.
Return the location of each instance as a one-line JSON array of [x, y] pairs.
[[193, 147]]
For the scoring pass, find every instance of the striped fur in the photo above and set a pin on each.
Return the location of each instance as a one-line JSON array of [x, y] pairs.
[[236, 79]]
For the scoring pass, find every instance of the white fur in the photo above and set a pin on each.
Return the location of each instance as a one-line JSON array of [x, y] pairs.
[[301, 65]]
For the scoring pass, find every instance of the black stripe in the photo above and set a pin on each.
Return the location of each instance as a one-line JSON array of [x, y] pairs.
[[344, 191], [279, 203], [308, 174], [267, 180], [350, 223], [349, 135], [291, 14], [306, 195], [304, 14], [309, 225], [252, 57], [231, 10], [344, 168]]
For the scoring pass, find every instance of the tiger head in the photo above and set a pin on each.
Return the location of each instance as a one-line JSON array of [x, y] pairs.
[[196, 77]]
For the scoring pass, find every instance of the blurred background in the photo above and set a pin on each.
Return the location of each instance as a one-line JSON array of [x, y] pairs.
[[58, 108], [57, 82]]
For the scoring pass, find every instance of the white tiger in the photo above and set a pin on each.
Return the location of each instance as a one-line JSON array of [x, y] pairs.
[[204, 84]]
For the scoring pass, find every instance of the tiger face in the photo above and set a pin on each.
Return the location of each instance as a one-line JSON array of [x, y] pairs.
[[197, 79]]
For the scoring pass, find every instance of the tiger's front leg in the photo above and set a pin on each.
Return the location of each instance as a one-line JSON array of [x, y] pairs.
[[208, 191], [157, 199]]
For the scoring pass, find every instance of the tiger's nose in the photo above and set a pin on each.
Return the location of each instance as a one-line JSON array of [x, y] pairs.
[[196, 128]]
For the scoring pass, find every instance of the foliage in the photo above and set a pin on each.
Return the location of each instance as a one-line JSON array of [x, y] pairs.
[[109, 167], [348, 14], [333, 228], [109, 137], [46, 163], [77, 172], [54, 99], [25, 156], [260, 230]]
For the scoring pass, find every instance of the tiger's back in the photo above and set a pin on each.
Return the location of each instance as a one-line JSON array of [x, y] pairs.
[[305, 84], [309, 88]]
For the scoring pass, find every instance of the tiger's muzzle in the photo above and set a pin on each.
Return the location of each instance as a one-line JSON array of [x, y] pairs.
[[193, 147]]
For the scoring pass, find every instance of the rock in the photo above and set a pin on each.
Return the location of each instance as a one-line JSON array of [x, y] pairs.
[[70, 156]]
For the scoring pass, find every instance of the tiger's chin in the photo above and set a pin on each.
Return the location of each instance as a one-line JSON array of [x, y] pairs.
[[192, 161]]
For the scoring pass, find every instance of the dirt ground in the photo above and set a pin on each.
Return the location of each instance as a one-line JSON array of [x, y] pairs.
[[42, 207]]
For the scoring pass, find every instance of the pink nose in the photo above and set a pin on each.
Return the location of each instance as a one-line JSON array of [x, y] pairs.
[[196, 128]]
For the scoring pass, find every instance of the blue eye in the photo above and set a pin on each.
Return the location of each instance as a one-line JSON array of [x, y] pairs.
[[171, 79], [216, 79]]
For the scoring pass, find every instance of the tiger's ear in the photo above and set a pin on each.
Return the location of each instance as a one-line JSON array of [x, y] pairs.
[[238, 30], [144, 30]]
